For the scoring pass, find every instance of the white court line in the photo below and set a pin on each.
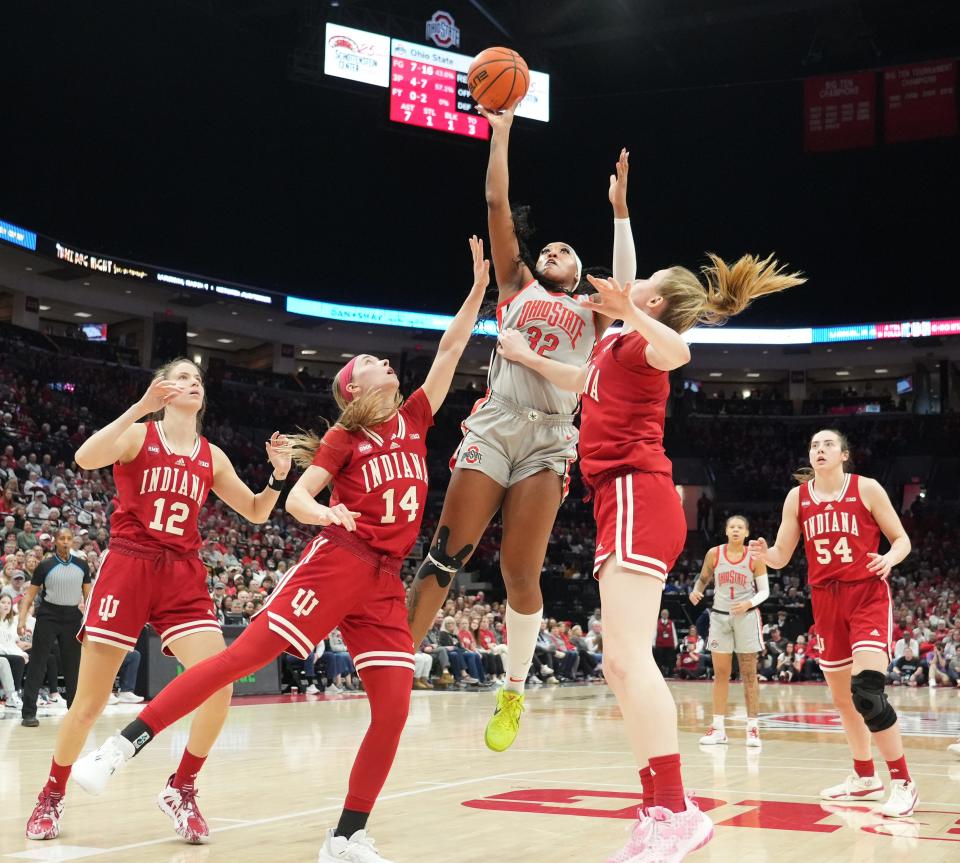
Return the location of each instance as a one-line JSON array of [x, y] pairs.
[[750, 793], [232, 820]]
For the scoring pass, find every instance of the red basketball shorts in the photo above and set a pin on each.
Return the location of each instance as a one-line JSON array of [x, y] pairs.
[[136, 586], [640, 520], [850, 616], [346, 585]]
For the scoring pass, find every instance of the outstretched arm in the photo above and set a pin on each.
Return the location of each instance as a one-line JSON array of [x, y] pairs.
[[504, 248], [455, 339], [666, 350], [254, 507], [624, 251]]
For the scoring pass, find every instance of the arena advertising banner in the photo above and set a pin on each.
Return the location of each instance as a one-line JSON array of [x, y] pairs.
[[920, 101], [357, 55], [839, 111]]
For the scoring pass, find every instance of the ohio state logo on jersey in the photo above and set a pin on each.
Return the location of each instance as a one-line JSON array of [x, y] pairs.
[[732, 577], [553, 313]]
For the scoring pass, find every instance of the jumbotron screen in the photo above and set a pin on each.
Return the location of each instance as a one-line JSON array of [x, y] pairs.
[[428, 86]]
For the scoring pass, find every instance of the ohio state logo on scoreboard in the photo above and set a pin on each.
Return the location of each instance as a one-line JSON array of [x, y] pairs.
[[442, 30]]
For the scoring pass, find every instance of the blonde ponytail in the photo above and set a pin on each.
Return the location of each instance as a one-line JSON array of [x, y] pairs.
[[728, 290], [365, 411]]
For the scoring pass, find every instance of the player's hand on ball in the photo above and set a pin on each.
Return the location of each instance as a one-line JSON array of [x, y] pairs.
[[879, 564], [481, 266], [339, 514], [279, 454], [502, 120], [513, 345], [739, 608], [159, 394], [758, 549], [617, 193], [695, 596], [611, 299]]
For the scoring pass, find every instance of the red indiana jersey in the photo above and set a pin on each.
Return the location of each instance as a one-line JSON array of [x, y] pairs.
[[160, 493], [837, 534], [382, 474], [624, 403]]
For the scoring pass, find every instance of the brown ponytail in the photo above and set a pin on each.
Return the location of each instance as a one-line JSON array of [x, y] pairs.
[[365, 411], [728, 290]]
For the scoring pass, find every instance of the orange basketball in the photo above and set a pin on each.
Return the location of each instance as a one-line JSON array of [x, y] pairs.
[[498, 78]]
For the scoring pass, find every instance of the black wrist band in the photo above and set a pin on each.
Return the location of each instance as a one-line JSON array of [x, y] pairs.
[[274, 483]]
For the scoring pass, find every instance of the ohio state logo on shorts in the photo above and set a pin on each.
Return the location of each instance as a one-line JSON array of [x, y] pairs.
[[472, 455]]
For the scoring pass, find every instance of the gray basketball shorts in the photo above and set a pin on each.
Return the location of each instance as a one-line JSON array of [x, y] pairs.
[[509, 442], [735, 633]]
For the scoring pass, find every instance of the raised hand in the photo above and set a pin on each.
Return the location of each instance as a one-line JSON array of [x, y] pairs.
[[501, 120], [481, 266], [279, 454], [611, 300], [617, 194], [160, 393]]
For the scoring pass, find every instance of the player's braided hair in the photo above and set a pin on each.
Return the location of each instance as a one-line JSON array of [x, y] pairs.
[[805, 474]]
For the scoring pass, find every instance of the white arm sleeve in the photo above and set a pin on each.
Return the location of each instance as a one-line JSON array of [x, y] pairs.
[[763, 590], [624, 252]]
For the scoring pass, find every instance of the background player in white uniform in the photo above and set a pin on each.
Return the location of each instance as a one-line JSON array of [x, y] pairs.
[[518, 443], [740, 585]]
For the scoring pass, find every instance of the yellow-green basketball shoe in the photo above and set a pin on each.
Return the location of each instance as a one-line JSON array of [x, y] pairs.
[[505, 723]]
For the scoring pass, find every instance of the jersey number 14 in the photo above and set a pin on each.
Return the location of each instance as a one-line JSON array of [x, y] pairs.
[[408, 503]]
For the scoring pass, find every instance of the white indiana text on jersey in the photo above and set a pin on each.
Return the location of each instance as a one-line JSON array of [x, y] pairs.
[[173, 479], [395, 465], [831, 522]]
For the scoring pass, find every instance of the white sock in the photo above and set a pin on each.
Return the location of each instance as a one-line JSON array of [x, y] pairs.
[[522, 632], [752, 722], [718, 723]]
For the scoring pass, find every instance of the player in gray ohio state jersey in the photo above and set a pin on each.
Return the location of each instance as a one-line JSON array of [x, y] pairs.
[[519, 441], [740, 584]]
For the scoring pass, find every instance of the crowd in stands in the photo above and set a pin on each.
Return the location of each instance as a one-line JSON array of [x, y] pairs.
[[49, 404]]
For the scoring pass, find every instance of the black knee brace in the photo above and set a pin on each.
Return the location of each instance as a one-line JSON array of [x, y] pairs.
[[870, 700], [438, 563]]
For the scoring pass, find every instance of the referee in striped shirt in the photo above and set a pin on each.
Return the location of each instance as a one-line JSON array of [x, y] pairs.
[[62, 581]]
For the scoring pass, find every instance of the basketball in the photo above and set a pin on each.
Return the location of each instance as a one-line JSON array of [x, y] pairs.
[[498, 78]]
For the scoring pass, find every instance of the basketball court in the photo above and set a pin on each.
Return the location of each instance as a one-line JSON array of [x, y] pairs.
[[567, 789]]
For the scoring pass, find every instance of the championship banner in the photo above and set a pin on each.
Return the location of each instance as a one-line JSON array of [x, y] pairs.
[[839, 111], [920, 101]]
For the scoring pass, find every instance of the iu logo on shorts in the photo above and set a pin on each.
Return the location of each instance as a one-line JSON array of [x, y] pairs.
[[304, 602], [108, 607]]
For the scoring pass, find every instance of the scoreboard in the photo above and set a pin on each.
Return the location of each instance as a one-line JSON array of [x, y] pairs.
[[434, 97], [427, 85]]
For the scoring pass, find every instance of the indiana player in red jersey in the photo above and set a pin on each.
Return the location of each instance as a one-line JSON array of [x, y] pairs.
[[840, 517], [151, 573], [640, 523], [348, 576]]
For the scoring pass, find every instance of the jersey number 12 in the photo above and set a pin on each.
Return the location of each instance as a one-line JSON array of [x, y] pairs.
[[179, 512]]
